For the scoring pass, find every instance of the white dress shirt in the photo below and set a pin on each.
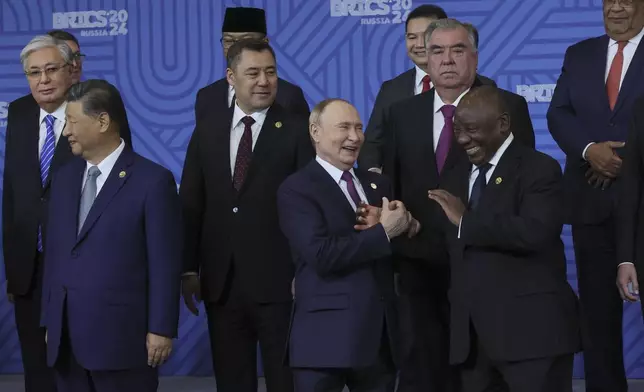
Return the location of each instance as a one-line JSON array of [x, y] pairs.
[[105, 167], [418, 87], [336, 174], [237, 131], [629, 53], [59, 124], [474, 174], [439, 119]]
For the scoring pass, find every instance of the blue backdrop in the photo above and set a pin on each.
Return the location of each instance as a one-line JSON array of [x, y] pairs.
[[160, 52]]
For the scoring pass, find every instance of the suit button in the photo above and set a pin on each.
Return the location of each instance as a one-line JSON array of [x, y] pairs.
[[235, 210], [382, 298], [74, 255], [64, 289], [611, 124], [43, 199]]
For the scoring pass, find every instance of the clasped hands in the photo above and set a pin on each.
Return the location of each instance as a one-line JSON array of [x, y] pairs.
[[604, 162], [393, 216]]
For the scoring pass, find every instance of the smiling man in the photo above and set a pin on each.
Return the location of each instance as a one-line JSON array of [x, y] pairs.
[[513, 312]]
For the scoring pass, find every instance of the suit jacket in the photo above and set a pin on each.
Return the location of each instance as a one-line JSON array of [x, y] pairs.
[[214, 97], [508, 268], [410, 163], [24, 200], [118, 279], [344, 279], [223, 225], [579, 114], [391, 91]]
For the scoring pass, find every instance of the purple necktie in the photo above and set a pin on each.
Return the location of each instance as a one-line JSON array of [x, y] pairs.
[[244, 153], [353, 192], [445, 140]]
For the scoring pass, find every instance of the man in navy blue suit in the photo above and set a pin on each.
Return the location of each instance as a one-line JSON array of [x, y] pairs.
[[343, 328], [588, 117], [112, 255]]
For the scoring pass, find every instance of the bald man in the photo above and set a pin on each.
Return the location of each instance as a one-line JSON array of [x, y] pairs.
[[512, 309]]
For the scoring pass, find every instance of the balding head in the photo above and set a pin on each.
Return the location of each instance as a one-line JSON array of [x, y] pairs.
[[481, 123]]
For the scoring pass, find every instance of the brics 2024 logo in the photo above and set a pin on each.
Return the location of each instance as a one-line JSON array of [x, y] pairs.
[[536, 93], [94, 23], [4, 112], [374, 12]]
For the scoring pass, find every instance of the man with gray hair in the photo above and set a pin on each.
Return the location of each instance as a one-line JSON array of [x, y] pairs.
[[34, 149], [416, 160]]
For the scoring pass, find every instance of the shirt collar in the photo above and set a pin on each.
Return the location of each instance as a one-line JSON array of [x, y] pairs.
[[59, 114], [438, 102], [499, 153], [333, 171], [635, 40], [420, 74], [106, 165], [238, 114]]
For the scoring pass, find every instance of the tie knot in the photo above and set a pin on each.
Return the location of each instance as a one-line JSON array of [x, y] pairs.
[[448, 111], [49, 120], [93, 172], [347, 177], [621, 45], [248, 121], [484, 168], [426, 79]]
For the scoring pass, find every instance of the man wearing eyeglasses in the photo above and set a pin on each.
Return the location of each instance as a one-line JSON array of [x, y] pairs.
[[34, 149], [242, 23], [77, 58]]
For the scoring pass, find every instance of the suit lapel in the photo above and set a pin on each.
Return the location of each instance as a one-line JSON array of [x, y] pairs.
[[114, 182], [329, 187], [597, 72], [503, 174], [62, 154], [425, 132], [31, 137], [410, 83], [630, 82], [74, 184], [368, 188]]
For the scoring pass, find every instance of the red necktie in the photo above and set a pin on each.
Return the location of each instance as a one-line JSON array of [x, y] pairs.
[[426, 82], [615, 75], [244, 153]]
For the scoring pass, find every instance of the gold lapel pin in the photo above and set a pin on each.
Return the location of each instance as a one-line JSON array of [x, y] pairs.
[[498, 180], [374, 186], [278, 124], [122, 174]]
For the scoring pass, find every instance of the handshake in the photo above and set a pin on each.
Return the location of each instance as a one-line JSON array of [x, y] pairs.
[[393, 216]]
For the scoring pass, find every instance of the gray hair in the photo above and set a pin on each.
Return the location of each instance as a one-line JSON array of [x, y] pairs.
[[452, 24], [45, 41]]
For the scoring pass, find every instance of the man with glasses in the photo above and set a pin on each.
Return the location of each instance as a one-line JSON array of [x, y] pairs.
[[77, 58], [242, 23], [589, 115], [34, 149]]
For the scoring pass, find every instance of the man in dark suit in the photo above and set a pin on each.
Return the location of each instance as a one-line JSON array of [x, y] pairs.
[[420, 148], [243, 23], [112, 255], [412, 82], [588, 117], [35, 148], [234, 164], [343, 329], [512, 309]]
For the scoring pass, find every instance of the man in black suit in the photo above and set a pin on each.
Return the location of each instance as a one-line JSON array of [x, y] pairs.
[[513, 312], [232, 171], [35, 148], [409, 83], [244, 23]]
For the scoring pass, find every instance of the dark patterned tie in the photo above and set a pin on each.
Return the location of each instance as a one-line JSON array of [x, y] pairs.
[[244, 153], [351, 187], [479, 185], [445, 140]]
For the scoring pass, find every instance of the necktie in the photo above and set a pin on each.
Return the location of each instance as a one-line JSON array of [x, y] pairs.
[[88, 195], [46, 155], [479, 185], [351, 187], [244, 153], [615, 75], [447, 133], [426, 81]]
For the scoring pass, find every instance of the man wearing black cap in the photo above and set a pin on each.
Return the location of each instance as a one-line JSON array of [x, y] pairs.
[[241, 23]]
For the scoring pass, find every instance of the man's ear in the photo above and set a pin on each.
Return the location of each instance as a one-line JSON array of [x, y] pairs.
[[230, 77], [504, 123]]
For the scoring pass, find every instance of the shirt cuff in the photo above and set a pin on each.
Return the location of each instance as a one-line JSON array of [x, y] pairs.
[[626, 262], [583, 153], [189, 274], [459, 228]]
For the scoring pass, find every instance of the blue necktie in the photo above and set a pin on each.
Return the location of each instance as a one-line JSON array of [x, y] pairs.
[[479, 185], [46, 155]]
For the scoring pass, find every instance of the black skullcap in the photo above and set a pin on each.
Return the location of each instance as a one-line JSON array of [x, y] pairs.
[[244, 20]]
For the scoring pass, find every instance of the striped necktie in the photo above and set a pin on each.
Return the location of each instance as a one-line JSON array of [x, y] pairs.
[[46, 156]]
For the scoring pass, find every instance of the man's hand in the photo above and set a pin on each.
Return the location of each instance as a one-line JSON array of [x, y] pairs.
[[597, 180], [603, 159], [159, 349], [414, 228], [395, 220], [626, 274], [366, 216], [451, 205], [190, 288]]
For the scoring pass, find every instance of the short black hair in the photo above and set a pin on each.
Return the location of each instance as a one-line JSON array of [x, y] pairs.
[[63, 36], [254, 45], [426, 11], [99, 96]]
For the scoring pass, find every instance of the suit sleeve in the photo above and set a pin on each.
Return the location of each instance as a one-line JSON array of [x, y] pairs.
[[535, 224], [631, 190], [562, 118], [192, 196], [7, 193], [299, 104], [164, 246], [371, 154], [304, 226], [521, 123], [47, 262]]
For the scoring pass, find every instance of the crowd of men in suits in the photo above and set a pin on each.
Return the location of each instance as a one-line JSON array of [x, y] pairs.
[[421, 254]]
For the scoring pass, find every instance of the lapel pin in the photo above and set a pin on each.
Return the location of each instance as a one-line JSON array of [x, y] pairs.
[[498, 180], [278, 124], [374, 186], [122, 174]]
